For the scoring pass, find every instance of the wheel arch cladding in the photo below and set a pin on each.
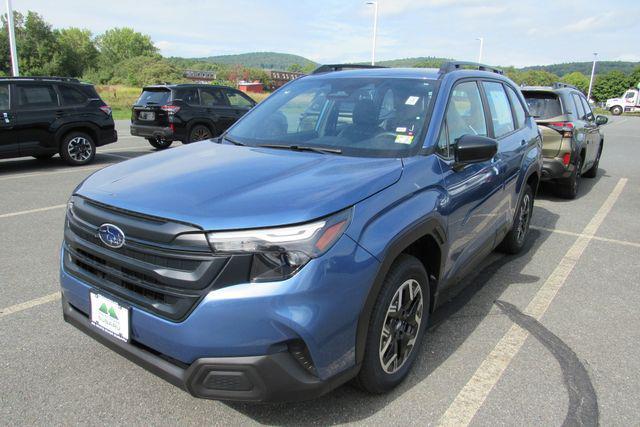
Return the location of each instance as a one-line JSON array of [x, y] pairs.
[[82, 128], [428, 235]]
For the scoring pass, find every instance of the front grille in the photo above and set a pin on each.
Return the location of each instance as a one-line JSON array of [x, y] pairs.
[[150, 271]]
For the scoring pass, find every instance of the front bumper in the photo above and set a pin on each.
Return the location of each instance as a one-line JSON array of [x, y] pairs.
[[267, 378], [249, 328]]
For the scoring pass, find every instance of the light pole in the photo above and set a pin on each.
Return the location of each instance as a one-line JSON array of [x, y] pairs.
[[593, 70], [375, 30], [481, 45], [12, 41]]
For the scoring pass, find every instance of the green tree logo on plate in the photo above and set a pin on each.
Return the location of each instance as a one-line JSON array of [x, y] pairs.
[[108, 311]]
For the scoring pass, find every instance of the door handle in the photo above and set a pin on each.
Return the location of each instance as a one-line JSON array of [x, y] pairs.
[[523, 142], [59, 113]]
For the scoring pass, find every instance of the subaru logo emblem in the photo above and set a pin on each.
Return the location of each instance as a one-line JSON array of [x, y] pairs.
[[111, 236]]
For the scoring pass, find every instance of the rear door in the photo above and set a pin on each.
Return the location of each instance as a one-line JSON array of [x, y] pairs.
[[217, 108], [147, 111], [8, 141], [37, 111], [513, 139], [582, 129], [473, 192]]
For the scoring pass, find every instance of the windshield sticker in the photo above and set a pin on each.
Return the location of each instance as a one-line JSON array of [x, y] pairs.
[[401, 130], [412, 100], [404, 139]]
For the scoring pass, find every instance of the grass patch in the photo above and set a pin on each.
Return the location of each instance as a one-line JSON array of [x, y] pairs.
[[121, 98]]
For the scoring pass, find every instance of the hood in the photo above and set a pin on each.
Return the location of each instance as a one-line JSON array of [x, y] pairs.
[[222, 187]]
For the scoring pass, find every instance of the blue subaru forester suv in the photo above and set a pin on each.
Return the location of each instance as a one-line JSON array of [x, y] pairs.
[[308, 244]]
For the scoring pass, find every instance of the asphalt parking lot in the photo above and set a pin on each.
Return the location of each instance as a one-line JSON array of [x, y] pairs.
[[547, 337]]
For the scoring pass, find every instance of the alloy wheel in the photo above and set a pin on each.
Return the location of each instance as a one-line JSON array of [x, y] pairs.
[[401, 326], [200, 133], [79, 149]]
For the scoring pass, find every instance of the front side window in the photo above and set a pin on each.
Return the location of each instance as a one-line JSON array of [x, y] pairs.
[[4, 97], [465, 116], [629, 95], [501, 115], [36, 96], [587, 109], [359, 116]]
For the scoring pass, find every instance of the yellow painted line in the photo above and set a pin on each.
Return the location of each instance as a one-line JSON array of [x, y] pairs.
[[469, 400], [29, 304], [30, 211], [602, 239]]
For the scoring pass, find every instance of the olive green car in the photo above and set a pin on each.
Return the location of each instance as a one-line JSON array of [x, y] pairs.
[[571, 139]]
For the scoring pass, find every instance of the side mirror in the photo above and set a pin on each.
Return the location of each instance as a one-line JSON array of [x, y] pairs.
[[601, 120], [474, 149]]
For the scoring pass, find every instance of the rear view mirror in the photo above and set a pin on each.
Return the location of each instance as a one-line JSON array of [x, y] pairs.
[[474, 149], [601, 120]]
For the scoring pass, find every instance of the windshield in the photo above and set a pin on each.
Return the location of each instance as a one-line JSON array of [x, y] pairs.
[[155, 96], [383, 117], [543, 105]]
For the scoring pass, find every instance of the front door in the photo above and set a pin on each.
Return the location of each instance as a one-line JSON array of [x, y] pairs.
[[8, 141], [474, 191], [592, 133]]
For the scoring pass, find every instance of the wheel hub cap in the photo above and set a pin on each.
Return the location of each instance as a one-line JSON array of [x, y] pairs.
[[79, 149]]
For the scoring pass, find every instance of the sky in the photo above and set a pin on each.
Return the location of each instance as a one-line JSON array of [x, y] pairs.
[[515, 32]]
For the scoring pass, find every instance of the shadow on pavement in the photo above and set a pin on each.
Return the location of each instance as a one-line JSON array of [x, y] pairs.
[[547, 190], [348, 404]]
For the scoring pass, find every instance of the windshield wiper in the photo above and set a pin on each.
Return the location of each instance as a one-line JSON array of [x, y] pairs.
[[321, 150], [233, 141]]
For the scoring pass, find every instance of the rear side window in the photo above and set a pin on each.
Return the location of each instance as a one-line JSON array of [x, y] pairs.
[[153, 97], [4, 97], [518, 109], [71, 96], [543, 105], [212, 97], [190, 95], [238, 100], [36, 96], [500, 108], [580, 113]]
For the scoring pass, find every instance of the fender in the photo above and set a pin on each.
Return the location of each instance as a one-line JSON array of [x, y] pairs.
[[75, 125], [429, 226]]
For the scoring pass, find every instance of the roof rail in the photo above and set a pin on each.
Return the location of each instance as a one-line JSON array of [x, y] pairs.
[[60, 79], [559, 85], [328, 68], [450, 66]]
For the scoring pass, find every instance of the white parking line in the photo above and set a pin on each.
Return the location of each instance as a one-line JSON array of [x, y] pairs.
[[29, 304], [473, 394], [602, 239], [54, 172], [48, 208]]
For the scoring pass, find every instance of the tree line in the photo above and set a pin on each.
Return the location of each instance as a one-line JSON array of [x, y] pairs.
[[124, 56]]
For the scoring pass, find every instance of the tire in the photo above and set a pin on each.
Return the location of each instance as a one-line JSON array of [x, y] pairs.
[[43, 157], [616, 111], [406, 276], [77, 148], [593, 172], [159, 144], [568, 188], [516, 238], [199, 133]]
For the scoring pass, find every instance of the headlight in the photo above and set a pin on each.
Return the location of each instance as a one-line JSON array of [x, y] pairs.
[[278, 253]]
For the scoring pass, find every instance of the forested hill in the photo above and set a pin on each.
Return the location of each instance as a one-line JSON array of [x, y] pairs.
[[585, 67], [265, 60]]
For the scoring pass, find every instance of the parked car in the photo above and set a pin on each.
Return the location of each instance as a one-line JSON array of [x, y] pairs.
[[571, 133], [300, 250], [186, 112], [628, 103], [43, 116]]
